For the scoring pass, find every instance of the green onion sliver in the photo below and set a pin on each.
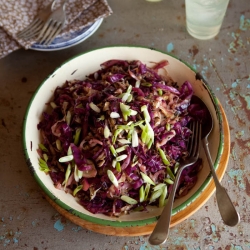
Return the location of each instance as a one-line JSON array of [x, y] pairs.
[[130, 98], [101, 118], [121, 157], [134, 163], [163, 197], [147, 135], [77, 136], [150, 134], [67, 174], [77, 189], [94, 107], [58, 145], [144, 134], [135, 158], [125, 109], [114, 163], [66, 158], [45, 157], [117, 132], [125, 97], [43, 166], [76, 177], [124, 141], [146, 84], [53, 105], [129, 89], [42, 147], [69, 152], [80, 174], [150, 143], [169, 171], [155, 195], [118, 167], [160, 92], [133, 112], [113, 151], [112, 178], [147, 188], [168, 127], [164, 157], [137, 84], [129, 200], [42, 161], [126, 127], [147, 179], [120, 149], [92, 196], [114, 115], [169, 181], [176, 167], [135, 139], [144, 109], [142, 193], [106, 132], [68, 117], [159, 186], [138, 123]]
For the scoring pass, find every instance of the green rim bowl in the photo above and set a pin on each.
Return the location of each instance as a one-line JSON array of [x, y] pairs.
[[86, 63]]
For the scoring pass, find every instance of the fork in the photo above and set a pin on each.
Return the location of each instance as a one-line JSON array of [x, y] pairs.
[[36, 25], [53, 25], [161, 230]]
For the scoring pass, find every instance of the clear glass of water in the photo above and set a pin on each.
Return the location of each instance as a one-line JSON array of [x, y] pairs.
[[204, 17]]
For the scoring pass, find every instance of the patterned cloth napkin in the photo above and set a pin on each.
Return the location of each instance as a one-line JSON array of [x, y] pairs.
[[15, 15]]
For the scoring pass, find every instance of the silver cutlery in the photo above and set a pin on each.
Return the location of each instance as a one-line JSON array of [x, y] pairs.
[[33, 29], [227, 210], [53, 26], [161, 230]]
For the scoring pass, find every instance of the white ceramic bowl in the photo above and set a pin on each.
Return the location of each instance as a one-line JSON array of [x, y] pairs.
[[89, 62]]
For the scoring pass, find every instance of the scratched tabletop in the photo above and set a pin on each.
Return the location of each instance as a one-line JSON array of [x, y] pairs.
[[28, 221]]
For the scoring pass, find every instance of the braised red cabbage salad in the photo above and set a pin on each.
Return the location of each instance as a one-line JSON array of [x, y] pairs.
[[114, 140]]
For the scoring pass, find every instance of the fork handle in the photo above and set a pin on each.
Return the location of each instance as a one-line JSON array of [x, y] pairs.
[[161, 230]]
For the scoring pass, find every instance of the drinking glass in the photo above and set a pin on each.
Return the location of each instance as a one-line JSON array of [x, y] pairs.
[[204, 17]]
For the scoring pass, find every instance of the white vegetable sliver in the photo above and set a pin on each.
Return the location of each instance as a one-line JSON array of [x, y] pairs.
[[66, 158], [94, 107], [114, 115], [112, 178], [135, 139], [121, 157]]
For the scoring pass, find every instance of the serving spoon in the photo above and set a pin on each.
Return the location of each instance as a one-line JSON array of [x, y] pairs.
[[227, 210]]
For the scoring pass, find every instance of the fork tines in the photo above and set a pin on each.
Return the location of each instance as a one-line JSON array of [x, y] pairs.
[[53, 26], [194, 140], [49, 32], [31, 30]]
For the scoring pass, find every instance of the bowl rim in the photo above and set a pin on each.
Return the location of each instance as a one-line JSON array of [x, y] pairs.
[[118, 223]]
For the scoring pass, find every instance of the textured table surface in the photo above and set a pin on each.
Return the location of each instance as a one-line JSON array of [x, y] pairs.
[[28, 221]]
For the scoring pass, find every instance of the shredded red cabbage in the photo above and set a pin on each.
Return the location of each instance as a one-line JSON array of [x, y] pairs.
[[114, 139]]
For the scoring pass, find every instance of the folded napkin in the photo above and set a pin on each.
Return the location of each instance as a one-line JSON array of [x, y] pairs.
[[16, 15], [7, 44]]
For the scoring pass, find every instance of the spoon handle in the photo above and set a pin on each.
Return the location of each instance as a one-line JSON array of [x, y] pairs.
[[227, 210]]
